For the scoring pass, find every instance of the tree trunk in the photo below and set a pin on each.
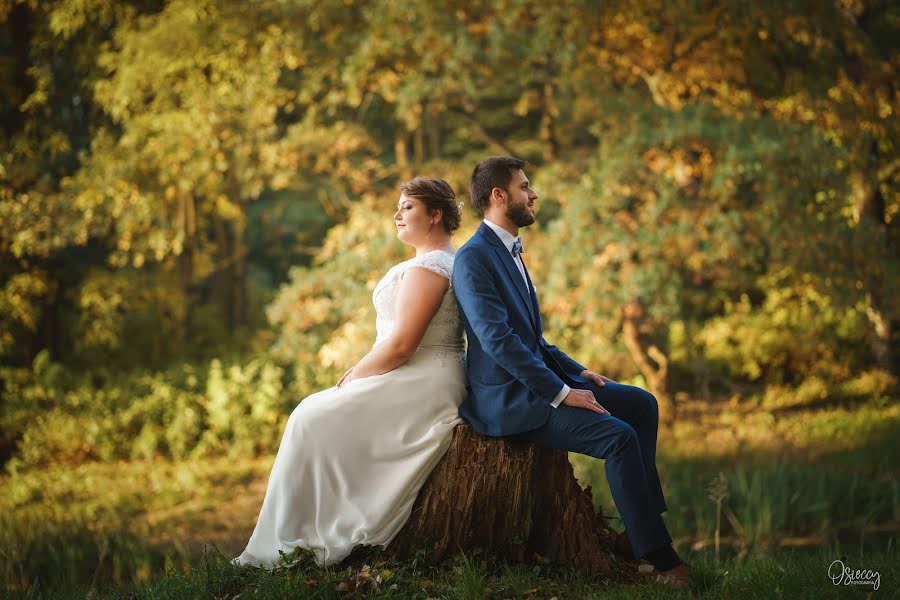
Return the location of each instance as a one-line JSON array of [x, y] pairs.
[[871, 208], [19, 53], [49, 327], [187, 222], [419, 144], [516, 501], [548, 122], [653, 364], [400, 152], [220, 282], [239, 273], [230, 276], [434, 131]]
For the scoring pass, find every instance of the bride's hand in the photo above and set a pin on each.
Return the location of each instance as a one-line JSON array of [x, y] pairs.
[[345, 378]]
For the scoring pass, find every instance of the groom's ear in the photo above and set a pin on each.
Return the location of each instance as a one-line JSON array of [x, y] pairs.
[[498, 194]]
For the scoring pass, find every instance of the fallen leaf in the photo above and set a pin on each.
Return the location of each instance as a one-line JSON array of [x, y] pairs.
[[363, 581]]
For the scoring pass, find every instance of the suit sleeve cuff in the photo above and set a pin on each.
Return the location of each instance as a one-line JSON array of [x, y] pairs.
[[561, 396]]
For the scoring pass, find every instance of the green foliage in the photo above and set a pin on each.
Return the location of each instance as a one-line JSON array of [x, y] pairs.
[[58, 416], [795, 332], [189, 153], [776, 483], [719, 196], [324, 317], [702, 237]]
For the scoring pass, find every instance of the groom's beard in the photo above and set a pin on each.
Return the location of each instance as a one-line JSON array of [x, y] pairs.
[[519, 215]]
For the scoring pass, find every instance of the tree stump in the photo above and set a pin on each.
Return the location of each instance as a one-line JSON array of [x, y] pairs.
[[514, 500]]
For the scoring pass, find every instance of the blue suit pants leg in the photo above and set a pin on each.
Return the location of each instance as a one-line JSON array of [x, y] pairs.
[[639, 409], [629, 455]]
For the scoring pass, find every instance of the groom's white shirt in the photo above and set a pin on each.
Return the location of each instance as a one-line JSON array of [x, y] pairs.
[[508, 240]]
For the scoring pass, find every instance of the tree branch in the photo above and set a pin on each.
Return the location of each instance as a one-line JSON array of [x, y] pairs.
[[482, 133]]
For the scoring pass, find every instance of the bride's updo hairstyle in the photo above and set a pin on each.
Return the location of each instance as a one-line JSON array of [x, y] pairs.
[[435, 194]]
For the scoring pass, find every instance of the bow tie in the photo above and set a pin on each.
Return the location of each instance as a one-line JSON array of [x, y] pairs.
[[517, 248]]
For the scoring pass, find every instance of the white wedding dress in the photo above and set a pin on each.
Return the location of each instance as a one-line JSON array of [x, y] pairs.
[[352, 459]]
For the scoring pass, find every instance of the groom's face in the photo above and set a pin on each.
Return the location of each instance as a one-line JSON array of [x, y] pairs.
[[520, 203]]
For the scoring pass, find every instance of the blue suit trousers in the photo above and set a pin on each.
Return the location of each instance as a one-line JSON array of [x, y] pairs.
[[626, 440]]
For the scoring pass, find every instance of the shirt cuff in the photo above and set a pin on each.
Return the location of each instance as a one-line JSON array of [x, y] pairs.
[[561, 396]]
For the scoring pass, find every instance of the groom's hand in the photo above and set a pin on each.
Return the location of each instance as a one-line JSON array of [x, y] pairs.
[[600, 380], [584, 399]]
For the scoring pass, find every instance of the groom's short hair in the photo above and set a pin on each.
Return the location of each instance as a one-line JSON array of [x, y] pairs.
[[492, 172]]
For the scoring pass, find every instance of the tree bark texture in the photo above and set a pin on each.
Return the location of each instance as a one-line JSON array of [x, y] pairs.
[[516, 501]]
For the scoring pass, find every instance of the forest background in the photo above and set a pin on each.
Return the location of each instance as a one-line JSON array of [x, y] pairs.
[[196, 201]]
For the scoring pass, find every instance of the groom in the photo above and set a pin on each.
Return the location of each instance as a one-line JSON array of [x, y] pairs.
[[523, 387]]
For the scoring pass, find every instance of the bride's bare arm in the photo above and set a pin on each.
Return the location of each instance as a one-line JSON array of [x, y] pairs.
[[418, 299]]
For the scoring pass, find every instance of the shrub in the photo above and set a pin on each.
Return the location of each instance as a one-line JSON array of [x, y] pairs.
[[59, 416]]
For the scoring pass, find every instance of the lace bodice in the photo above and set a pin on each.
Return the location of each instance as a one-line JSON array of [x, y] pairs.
[[446, 328]]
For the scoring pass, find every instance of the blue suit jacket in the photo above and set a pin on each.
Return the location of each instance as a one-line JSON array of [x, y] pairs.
[[513, 372]]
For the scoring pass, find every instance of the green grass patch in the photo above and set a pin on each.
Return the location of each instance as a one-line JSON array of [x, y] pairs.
[[799, 489], [120, 523], [141, 526], [785, 574]]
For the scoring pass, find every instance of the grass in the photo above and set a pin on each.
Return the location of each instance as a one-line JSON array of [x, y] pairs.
[[789, 487], [786, 574], [116, 523], [792, 477]]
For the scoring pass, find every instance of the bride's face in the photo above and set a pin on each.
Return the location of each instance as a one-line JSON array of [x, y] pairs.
[[412, 220]]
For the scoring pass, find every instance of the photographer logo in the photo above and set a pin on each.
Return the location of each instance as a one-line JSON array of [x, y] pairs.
[[842, 574]]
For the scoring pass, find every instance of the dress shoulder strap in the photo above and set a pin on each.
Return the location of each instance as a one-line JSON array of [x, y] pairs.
[[436, 261]]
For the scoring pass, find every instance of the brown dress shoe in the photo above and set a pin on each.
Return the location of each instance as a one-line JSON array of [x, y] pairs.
[[675, 578]]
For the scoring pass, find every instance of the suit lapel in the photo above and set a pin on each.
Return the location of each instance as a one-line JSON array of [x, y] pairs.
[[534, 302], [511, 269]]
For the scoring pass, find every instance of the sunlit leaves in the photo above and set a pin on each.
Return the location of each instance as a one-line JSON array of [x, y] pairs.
[[20, 306], [683, 151]]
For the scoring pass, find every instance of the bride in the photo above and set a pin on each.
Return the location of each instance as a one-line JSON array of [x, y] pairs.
[[353, 457]]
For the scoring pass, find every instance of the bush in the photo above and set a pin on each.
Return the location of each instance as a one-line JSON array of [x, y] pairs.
[[793, 334], [60, 416]]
